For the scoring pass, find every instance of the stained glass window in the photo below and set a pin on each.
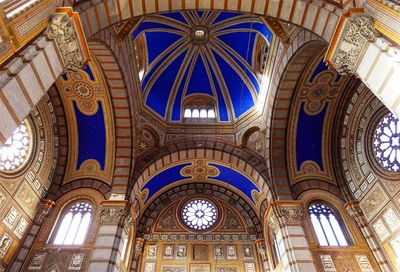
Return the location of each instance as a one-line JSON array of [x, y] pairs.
[[74, 225], [199, 214], [326, 225], [387, 143], [14, 152]]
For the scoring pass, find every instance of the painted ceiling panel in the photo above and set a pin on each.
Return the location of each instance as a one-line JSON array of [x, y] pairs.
[[201, 53], [91, 147], [309, 137], [223, 174]]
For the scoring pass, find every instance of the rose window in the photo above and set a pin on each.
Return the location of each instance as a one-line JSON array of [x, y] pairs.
[[199, 214], [387, 143], [14, 152]]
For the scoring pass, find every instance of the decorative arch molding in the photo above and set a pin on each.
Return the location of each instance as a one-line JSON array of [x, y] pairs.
[[214, 165], [280, 112], [318, 17], [304, 186], [150, 215], [123, 119], [85, 183]]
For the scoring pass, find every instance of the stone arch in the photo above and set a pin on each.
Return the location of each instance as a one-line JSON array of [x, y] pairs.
[[280, 113], [234, 161], [319, 17], [124, 132], [246, 211]]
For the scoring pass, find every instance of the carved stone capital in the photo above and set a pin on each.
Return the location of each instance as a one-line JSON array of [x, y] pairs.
[[354, 32], [262, 250], [282, 214], [355, 211], [128, 222], [63, 29], [113, 214], [139, 245], [43, 210]]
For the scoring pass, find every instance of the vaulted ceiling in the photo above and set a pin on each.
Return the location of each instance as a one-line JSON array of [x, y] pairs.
[[215, 55]]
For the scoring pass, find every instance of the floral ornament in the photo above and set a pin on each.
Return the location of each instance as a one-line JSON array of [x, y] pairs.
[[199, 214], [387, 143]]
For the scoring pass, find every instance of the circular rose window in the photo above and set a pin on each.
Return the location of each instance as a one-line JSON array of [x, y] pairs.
[[387, 143], [199, 214], [14, 153]]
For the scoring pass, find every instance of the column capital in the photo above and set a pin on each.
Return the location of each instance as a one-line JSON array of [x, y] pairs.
[[44, 208], [66, 30], [281, 213], [353, 32], [355, 211], [114, 212], [138, 250]]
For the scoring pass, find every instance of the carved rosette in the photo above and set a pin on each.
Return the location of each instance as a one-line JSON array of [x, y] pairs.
[[62, 30], [357, 31], [284, 215]]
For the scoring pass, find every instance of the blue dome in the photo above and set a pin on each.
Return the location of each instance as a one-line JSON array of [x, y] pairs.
[[213, 54]]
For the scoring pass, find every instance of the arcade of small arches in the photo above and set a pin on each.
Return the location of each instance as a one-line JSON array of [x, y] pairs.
[[195, 136]]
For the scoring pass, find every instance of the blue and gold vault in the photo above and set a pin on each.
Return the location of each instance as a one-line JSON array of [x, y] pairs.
[[215, 54]]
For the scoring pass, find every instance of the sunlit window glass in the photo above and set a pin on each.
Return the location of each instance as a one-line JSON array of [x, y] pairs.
[[387, 143], [203, 113], [74, 225], [188, 113], [211, 113], [195, 113], [326, 226], [14, 152], [199, 214]]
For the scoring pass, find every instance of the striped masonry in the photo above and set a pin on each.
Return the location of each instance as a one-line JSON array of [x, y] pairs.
[[319, 17], [24, 81]]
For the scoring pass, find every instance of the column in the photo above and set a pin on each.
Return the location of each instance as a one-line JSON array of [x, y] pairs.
[[44, 209], [262, 253], [356, 48], [357, 214], [137, 254], [30, 73], [107, 249], [285, 220]]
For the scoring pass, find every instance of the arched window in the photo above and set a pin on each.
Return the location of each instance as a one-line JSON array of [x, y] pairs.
[[75, 221], [327, 225]]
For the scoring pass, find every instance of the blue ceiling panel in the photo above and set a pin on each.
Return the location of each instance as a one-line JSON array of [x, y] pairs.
[[163, 179], [163, 41], [236, 179], [223, 45], [235, 41], [199, 82], [226, 175], [158, 97], [240, 94], [91, 136], [310, 129]]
